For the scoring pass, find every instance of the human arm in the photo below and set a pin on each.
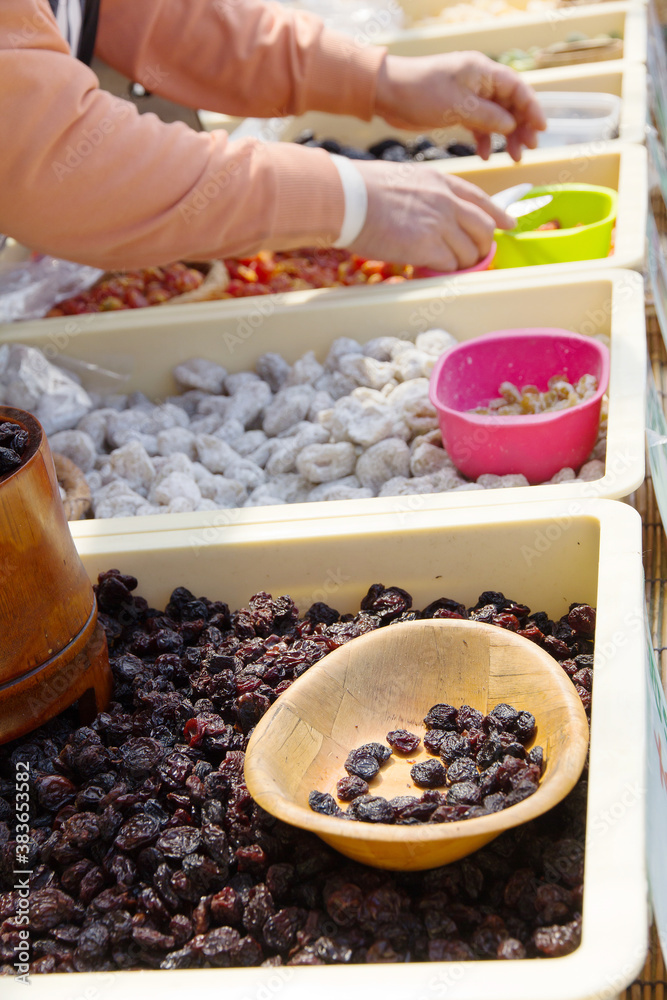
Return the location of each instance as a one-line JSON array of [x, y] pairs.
[[460, 88], [83, 176], [266, 60], [250, 58]]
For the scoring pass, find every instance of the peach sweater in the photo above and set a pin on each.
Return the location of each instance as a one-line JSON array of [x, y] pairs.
[[85, 177]]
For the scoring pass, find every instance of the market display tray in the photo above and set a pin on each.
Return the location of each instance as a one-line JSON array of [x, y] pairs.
[[145, 345], [538, 554], [526, 30], [623, 79]]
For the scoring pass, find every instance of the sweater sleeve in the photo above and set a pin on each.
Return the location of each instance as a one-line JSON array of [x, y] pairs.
[[84, 177], [239, 57]]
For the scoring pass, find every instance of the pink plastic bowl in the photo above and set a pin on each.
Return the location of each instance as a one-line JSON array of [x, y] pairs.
[[482, 265], [537, 445]]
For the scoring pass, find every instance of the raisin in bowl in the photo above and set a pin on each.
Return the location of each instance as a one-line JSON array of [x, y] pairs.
[[387, 681]]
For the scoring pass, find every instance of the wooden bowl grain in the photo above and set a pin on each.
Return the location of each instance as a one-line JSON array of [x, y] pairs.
[[388, 679]]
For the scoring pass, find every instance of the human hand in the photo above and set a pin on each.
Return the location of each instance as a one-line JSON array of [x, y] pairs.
[[419, 215], [460, 88]]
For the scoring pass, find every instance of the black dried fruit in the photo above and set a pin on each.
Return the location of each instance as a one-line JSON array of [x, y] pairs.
[[377, 750], [137, 832], [524, 727], [420, 811], [433, 740], [450, 813], [373, 809], [428, 774], [581, 618], [401, 741], [148, 851], [13, 443], [468, 718], [179, 841], [454, 746], [464, 793], [489, 752], [502, 717], [536, 756], [462, 769], [494, 802], [441, 716], [362, 765], [351, 787], [324, 803]]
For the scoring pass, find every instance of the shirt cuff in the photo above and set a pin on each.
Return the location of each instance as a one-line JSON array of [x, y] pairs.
[[356, 200]]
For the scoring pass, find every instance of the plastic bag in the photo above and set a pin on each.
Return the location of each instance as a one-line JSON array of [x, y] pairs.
[[29, 289], [29, 382], [366, 20]]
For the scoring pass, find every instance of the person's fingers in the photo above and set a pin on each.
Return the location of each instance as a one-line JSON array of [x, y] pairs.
[[524, 137], [441, 257], [465, 249], [488, 116], [469, 192], [477, 224], [483, 144], [514, 94]]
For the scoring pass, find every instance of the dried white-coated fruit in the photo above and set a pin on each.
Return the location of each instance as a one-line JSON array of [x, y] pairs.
[[322, 463]]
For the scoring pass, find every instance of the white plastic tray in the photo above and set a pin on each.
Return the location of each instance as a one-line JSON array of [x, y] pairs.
[[418, 9], [619, 165], [623, 79], [540, 555], [526, 30], [608, 302]]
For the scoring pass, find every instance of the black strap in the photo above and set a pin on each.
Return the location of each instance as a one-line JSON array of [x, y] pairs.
[[88, 31]]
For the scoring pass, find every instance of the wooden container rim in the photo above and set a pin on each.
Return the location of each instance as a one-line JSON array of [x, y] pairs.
[[36, 436]]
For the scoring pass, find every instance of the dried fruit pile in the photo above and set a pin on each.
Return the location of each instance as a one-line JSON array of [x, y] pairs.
[[265, 273], [147, 851], [483, 762], [418, 150], [148, 286], [561, 394], [269, 273], [13, 443]]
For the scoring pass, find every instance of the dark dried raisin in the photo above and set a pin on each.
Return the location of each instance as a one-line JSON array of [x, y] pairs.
[[441, 716], [349, 788], [401, 741], [324, 803], [428, 774], [361, 765]]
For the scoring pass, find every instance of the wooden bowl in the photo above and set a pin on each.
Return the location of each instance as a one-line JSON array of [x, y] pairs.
[[388, 679], [53, 650]]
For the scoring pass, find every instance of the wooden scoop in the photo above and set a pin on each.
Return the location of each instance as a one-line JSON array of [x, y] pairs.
[[388, 679]]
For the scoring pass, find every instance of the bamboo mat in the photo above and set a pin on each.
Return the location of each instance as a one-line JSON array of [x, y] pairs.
[[652, 982]]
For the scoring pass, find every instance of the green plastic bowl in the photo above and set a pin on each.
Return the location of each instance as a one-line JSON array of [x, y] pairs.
[[587, 215]]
